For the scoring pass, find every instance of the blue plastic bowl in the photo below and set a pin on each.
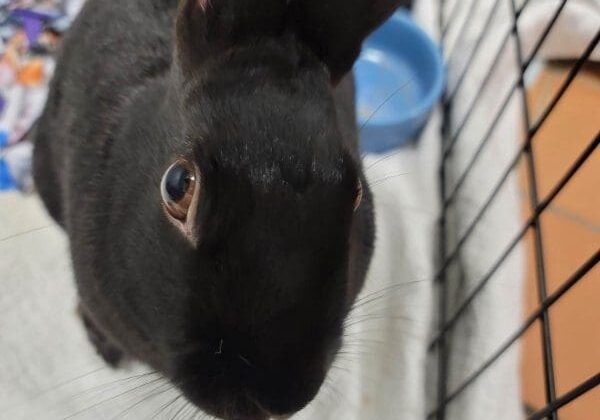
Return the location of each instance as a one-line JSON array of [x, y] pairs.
[[399, 79]]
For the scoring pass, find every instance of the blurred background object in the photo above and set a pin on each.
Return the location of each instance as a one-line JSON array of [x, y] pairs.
[[29, 34], [399, 78]]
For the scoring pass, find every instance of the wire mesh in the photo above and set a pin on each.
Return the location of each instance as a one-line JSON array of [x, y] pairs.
[[452, 132]]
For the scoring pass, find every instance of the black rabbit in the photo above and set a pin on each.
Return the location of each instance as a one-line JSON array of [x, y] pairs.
[[202, 157]]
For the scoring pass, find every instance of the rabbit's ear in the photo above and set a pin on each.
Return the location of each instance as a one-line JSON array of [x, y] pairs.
[[335, 29], [206, 26]]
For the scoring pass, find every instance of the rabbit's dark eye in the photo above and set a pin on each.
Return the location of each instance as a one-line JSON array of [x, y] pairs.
[[177, 188], [359, 195]]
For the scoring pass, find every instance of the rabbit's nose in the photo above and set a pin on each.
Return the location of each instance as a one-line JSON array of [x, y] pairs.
[[235, 379]]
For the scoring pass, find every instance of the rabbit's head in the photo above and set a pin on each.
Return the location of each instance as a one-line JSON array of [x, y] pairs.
[[253, 225]]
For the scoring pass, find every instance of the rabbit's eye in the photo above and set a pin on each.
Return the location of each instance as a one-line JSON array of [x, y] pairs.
[[177, 188], [359, 195]]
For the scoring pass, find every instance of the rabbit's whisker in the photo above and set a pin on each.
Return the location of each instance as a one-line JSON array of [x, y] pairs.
[[26, 232], [166, 406], [389, 98], [114, 397]]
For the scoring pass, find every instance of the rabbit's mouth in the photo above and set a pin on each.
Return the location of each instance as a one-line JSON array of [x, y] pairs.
[[226, 405], [231, 387], [242, 408]]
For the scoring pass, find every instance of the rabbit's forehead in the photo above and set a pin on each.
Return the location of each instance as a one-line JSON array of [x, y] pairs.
[[276, 164], [267, 130], [262, 92], [271, 142]]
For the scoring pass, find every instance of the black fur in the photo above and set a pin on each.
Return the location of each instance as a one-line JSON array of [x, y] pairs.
[[247, 322]]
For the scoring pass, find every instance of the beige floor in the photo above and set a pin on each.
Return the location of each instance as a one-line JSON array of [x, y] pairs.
[[571, 235]]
